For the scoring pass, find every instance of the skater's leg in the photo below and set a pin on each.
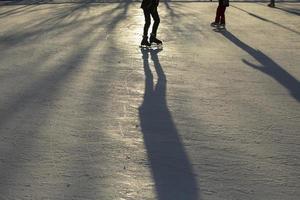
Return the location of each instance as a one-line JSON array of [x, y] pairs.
[[223, 15], [218, 14], [156, 20], [147, 22], [144, 41], [272, 3]]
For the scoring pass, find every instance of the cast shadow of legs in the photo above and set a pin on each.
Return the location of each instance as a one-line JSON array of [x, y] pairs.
[[268, 66], [170, 167]]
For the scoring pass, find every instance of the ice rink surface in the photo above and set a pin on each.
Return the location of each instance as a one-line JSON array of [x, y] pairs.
[[86, 114]]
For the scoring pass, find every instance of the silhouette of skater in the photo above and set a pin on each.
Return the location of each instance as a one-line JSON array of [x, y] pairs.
[[220, 14], [150, 9], [170, 167]]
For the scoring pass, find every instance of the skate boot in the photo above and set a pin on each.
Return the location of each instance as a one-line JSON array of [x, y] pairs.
[[214, 24], [221, 26], [144, 42], [272, 5], [154, 40]]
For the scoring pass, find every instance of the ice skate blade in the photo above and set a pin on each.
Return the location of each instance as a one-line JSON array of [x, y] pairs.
[[156, 46], [144, 46], [152, 47], [218, 29], [214, 25]]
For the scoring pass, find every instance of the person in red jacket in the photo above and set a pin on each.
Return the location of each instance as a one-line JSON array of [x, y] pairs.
[[150, 9], [220, 14]]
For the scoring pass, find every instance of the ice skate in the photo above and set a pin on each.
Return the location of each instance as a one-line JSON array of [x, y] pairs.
[[272, 5], [214, 24], [145, 43], [155, 42], [221, 27]]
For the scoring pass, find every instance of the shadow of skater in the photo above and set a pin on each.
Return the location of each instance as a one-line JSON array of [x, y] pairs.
[[290, 10], [266, 20], [170, 166], [268, 66]]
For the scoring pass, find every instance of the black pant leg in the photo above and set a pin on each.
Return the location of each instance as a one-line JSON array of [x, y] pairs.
[[223, 14], [147, 21], [218, 14], [156, 19]]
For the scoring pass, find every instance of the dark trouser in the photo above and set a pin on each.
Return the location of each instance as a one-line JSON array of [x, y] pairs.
[[220, 15], [153, 12]]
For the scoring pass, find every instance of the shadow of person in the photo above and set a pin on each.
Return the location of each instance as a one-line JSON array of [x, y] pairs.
[[289, 10], [170, 166], [268, 66], [267, 20]]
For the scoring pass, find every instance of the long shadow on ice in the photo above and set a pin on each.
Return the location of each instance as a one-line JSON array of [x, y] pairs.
[[170, 166], [24, 115], [268, 66], [267, 20], [294, 11]]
